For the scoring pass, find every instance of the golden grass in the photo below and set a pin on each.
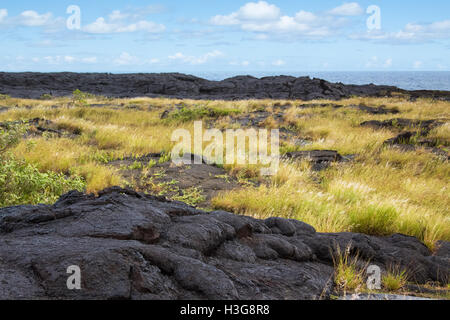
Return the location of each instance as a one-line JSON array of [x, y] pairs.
[[382, 191]]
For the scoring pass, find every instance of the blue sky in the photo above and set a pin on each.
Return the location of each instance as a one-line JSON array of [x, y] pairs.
[[234, 36]]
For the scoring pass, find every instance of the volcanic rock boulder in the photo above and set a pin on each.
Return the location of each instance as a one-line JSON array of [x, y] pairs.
[[414, 138], [320, 159], [134, 246], [423, 126]]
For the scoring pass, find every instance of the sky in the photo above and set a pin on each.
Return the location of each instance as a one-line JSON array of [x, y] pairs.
[[226, 36]]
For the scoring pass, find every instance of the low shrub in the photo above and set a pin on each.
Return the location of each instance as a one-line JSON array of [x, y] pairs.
[[23, 183]]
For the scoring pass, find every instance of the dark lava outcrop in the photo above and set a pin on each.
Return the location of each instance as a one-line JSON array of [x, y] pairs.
[[134, 246], [175, 85], [423, 126], [416, 137], [320, 159]]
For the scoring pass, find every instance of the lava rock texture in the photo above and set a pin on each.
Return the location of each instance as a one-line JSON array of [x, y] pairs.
[[134, 246], [175, 85]]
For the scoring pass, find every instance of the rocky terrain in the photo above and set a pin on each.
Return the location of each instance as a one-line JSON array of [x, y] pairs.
[[174, 85], [134, 246]]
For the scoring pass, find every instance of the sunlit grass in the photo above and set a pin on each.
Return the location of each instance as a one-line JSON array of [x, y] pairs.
[[381, 191]]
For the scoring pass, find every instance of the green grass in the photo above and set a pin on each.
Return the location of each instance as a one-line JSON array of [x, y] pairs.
[[394, 280], [193, 113], [22, 183], [349, 277], [373, 220]]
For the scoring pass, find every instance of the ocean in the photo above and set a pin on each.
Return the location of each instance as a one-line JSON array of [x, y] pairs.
[[408, 80]]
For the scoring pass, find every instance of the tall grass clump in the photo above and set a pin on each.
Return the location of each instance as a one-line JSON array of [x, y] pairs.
[[373, 220], [349, 276], [394, 279]]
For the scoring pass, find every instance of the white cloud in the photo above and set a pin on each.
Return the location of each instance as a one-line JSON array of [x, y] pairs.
[[252, 11], [279, 63], [60, 60], [376, 63], [259, 11], [3, 14], [411, 33], [28, 18], [146, 26], [117, 23], [196, 60], [53, 59], [347, 9], [89, 60], [31, 18], [69, 59], [244, 63], [116, 15], [417, 64], [225, 20], [305, 17], [126, 59], [388, 63], [264, 20]]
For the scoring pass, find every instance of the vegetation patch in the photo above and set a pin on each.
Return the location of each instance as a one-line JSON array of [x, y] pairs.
[[378, 188]]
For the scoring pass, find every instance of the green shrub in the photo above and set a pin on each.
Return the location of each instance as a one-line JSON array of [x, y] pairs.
[[10, 135], [191, 196], [151, 164], [46, 96], [135, 166], [80, 98], [22, 183]]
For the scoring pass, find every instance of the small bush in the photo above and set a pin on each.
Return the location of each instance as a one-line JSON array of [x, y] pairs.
[[80, 97], [151, 164], [46, 96], [10, 135], [135, 166], [191, 196], [22, 183]]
